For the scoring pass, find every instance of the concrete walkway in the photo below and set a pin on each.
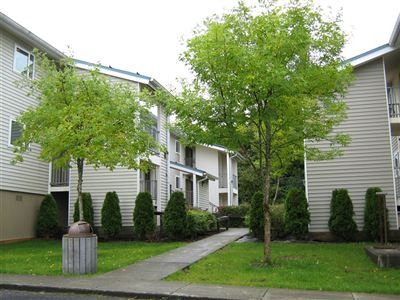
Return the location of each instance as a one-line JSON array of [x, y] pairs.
[[143, 279]]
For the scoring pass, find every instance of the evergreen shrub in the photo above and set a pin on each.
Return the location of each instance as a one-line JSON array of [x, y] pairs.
[[277, 220], [111, 220], [341, 222], [175, 216], [256, 215], [143, 215], [88, 212], [371, 214], [297, 216], [47, 222]]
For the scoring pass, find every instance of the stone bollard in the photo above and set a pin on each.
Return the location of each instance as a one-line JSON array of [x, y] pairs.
[[79, 249]]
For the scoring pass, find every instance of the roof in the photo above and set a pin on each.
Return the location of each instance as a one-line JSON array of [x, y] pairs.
[[394, 43], [28, 37], [121, 74], [192, 170]]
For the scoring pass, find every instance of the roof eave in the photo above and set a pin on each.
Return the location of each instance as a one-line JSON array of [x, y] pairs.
[[370, 55], [394, 38], [28, 37]]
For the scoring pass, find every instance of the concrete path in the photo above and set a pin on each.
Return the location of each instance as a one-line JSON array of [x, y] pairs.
[[143, 279]]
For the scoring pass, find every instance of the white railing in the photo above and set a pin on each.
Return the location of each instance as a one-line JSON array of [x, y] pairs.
[[59, 176], [393, 94]]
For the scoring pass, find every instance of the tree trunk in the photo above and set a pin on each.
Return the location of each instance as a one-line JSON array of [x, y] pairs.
[[79, 187], [267, 218]]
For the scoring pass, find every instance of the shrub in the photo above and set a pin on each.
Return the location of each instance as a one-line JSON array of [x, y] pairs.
[[297, 216], [88, 213], [175, 216], [256, 215], [200, 222], [143, 215], [111, 220], [277, 220], [47, 222], [341, 221], [237, 212], [371, 214]]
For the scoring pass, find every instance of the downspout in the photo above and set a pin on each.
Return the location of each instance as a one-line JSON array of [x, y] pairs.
[[228, 179], [237, 177]]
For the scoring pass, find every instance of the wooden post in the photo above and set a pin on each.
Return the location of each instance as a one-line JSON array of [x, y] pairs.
[[79, 254]]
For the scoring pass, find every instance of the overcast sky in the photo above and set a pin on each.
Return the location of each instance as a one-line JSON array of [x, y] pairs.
[[146, 36]]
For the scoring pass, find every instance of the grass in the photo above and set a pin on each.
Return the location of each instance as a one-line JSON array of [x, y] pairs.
[[319, 266], [40, 257]]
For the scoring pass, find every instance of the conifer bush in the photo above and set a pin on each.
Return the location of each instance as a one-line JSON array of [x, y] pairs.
[[371, 214], [256, 215], [341, 222], [88, 212], [47, 222], [143, 215], [175, 216], [111, 220], [297, 216], [277, 220]]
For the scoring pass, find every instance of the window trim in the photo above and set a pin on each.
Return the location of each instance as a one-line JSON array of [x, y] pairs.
[[30, 55], [177, 182], [10, 144]]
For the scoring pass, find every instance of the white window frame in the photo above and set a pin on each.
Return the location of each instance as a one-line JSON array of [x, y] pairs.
[[177, 147], [10, 143], [28, 74], [177, 182]]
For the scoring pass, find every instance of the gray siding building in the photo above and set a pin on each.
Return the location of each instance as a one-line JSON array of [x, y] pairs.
[[373, 122]]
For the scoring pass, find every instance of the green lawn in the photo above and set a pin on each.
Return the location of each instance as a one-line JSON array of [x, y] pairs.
[[39, 257], [312, 266]]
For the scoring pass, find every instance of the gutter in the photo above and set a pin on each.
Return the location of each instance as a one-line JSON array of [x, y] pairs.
[[28, 37]]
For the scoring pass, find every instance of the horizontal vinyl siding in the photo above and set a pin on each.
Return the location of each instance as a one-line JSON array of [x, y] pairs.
[[30, 176], [203, 195], [163, 175], [367, 162], [100, 181]]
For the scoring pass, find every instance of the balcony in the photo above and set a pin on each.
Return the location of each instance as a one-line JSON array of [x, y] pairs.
[[149, 186], [59, 177], [393, 94]]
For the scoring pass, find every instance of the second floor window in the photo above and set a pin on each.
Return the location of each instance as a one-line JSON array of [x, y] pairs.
[[15, 131], [24, 62]]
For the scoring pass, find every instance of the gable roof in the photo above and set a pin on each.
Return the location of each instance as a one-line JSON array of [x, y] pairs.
[[394, 43], [28, 37]]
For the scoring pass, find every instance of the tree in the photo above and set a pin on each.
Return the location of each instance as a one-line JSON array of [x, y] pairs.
[[47, 222], [143, 215], [341, 222], [266, 79], [83, 118], [111, 219]]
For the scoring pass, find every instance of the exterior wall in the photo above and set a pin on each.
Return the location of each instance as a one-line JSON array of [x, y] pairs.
[[207, 159], [18, 215], [163, 167], [100, 181], [367, 161], [204, 194], [32, 175]]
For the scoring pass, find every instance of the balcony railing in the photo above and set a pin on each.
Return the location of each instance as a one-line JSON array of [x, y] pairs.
[[149, 186], [235, 181], [59, 177], [222, 180], [394, 101]]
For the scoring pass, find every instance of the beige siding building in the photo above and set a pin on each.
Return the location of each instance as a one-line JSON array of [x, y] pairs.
[[371, 160]]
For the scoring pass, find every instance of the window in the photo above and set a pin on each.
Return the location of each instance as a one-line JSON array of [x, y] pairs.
[[24, 62], [177, 182], [177, 147], [15, 131]]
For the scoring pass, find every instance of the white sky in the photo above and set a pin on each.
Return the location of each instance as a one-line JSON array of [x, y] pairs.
[[146, 36]]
